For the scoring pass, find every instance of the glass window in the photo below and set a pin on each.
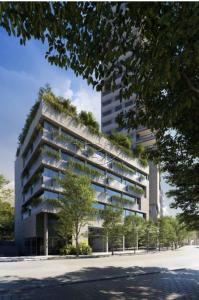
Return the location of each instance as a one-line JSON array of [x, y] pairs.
[[117, 98], [106, 123], [49, 126], [50, 173], [129, 103], [98, 188], [113, 193], [128, 212], [139, 214], [96, 169], [100, 153], [98, 205], [50, 195], [118, 107], [133, 199], [106, 113], [117, 178], [107, 102], [65, 156]]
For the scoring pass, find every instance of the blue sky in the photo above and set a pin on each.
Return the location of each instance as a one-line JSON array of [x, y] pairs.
[[23, 70]]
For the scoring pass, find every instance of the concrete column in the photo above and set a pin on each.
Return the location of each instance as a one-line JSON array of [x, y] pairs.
[[45, 234], [123, 243], [107, 243]]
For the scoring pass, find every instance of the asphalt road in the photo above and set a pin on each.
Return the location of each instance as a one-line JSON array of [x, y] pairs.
[[144, 276]]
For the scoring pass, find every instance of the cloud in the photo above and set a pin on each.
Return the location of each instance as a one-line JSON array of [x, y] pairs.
[[89, 100]]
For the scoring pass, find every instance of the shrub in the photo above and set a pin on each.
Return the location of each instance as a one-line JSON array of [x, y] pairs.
[[84, 249]]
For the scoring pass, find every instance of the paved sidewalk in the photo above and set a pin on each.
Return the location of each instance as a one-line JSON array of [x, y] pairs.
[[56, 257]]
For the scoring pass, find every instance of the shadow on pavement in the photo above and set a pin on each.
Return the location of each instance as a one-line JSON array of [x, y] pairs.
[[109, 283]]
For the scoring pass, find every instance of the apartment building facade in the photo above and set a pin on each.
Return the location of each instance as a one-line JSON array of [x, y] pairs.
[[111, 107], [52, 141]]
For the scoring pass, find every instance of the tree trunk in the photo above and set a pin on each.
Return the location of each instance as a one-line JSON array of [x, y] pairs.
[[77, 243]]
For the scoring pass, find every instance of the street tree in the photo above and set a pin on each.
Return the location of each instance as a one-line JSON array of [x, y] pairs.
[[6, 211], [134, 231], [112, 225], [75, 205], [153, 47]]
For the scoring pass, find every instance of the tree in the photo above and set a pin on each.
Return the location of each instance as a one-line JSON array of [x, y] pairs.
[[134, 230], [153, 47], [75, 205], [6, 211], [112, 224]]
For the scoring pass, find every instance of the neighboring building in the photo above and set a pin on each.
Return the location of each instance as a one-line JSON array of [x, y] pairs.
[[52, 140], [111, 107]]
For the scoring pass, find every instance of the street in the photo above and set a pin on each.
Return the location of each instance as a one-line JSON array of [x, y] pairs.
[[164, 275]]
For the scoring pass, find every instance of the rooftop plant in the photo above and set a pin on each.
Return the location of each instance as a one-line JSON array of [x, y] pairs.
[[62, 105]]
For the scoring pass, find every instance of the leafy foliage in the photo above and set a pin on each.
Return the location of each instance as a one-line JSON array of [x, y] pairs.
[[112, 224], [75, 204], [83, 249], [6, 211], [161, 40], [88, 120]]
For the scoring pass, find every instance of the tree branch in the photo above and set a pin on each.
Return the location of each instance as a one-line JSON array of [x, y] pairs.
[[192, 87]]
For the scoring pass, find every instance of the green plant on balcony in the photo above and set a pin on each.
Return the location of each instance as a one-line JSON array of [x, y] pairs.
[[90, 151], [35, 177], [52, 154], [143, 162], [109, 179], [79, 144], [122, 200], [61, 138], [83, 168], [141, 177], [122, 167], [136, 189]]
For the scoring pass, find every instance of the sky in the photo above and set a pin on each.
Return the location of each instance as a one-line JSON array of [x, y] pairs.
[[23, 70]]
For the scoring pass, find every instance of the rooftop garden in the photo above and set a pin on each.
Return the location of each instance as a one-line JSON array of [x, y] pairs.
[[64, 106]]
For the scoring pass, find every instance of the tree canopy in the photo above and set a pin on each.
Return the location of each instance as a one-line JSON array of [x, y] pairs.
[[6, 211], [153, 47]]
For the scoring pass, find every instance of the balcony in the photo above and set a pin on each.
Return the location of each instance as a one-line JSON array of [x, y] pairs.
[[30, 152], [32, 190]]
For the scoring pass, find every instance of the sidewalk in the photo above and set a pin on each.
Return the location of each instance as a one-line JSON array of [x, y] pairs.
[[50, 257]]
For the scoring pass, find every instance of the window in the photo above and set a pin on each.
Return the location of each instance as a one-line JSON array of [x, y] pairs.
[[106, 113], [105, 93], [65, 156], [50, 173], [132, 199], [114, 177], [98, 188], [113, 193], [106, 123], [96, 169], [98, 205], [128, 212], [129, 103], [100, 153], [118, 107], [139, 214], [50, 195], [107, 102], [49, 126], [117, 98]]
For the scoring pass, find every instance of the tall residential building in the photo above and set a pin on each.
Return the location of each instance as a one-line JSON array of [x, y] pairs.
[[111, 107], [52, 140]]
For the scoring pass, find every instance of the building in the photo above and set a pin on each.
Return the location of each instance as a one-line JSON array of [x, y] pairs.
[[51, 140], [111, 107]]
